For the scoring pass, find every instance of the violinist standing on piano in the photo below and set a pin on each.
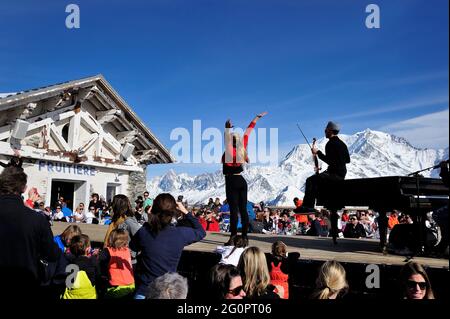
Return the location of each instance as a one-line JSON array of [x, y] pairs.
[[336, 156]]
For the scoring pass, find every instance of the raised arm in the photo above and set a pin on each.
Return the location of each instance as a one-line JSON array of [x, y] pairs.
[[227, 156], [251, 126]]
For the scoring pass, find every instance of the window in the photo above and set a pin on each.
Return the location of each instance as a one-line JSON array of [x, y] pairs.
[[65, 132]]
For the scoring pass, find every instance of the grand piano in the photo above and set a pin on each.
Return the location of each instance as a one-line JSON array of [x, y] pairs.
[[412, 195]]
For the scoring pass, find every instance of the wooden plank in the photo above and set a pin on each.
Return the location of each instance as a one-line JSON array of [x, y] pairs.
[[365, 251]]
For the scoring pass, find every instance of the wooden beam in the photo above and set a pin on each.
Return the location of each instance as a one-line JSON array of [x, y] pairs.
[[59, 115], [107, 116], [126, 136], [42, 94], [58, 138], [74, 131], [5, 132], [99, 145], [103, 96], [45, 136], [93, 138], [112, 143], [90, 122], [27, 111], [40, 154]]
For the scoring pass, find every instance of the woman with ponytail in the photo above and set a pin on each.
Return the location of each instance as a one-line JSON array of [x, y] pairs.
[[233, 159], [332, 282], [161, 242]]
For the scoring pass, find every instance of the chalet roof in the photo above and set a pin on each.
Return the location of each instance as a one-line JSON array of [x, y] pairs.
[[12, 100]]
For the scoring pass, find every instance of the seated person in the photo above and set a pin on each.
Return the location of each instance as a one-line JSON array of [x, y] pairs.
[[354, 229]]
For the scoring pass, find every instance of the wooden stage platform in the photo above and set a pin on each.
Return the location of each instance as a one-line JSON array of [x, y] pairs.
[[365, 251]]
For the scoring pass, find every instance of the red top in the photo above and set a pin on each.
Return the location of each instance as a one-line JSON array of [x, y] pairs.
[[280, 280], [29, 203], [213, 225], [120, 268], [230, 149]]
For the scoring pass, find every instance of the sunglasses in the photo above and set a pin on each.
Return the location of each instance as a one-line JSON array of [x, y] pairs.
[[352, 218], [411, 284], [236, 291]]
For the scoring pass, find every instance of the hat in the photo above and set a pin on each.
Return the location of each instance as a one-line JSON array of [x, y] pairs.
[[333, 126]]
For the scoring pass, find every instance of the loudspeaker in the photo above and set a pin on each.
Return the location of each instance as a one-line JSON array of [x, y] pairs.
[[127, 150], [20, 129]]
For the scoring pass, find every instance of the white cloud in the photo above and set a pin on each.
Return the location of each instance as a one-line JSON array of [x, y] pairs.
[[429, 130], [400, 106]]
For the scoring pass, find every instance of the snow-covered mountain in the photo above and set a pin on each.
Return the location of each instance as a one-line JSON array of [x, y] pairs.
[[372, 154]]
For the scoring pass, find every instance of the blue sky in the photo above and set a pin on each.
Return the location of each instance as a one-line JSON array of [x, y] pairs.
[[304, 62]]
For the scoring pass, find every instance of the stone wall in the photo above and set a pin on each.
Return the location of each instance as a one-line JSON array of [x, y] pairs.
[[137, 184]]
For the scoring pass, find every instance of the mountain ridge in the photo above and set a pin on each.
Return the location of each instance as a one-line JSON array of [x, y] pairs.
[[372, 153]]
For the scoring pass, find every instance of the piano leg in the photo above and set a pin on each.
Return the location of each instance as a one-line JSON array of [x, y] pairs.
[[334, 217], [382, 228]]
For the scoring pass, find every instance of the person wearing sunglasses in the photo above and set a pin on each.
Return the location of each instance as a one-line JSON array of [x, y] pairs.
[[354, 229], [415, 281], [226, 282]]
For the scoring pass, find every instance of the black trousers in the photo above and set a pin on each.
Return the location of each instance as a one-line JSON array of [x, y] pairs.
[[313, 183], [236, 191]]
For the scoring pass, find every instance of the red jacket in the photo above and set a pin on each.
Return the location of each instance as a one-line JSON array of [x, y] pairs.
[[230, 149]]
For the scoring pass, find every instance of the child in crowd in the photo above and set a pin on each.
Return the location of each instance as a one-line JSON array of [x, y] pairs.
[[115, 263], [63, 240], [212, 223], [279, 264], [85, 272], [231, 254]]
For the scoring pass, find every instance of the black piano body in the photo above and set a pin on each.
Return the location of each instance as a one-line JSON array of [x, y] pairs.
[[412, 195]]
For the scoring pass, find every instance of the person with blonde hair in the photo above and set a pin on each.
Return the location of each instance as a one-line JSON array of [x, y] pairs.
[[236, 188], [255, 275], [415, 281], [332, 282], [79, 215]]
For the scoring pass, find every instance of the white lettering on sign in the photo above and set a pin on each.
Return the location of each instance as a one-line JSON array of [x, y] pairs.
[[65, 168]]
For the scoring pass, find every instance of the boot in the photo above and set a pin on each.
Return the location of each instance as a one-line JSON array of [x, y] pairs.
[[230, 241]]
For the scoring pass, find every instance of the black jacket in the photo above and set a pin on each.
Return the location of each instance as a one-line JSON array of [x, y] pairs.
[[336, 156], [357, 231], [25, 239]]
